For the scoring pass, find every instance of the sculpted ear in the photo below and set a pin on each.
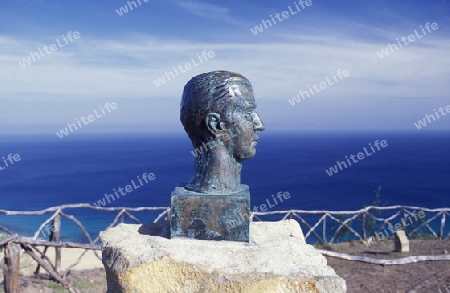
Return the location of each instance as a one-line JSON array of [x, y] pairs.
[[213, 123]]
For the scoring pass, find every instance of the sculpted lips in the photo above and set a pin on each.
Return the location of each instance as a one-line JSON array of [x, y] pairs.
[[255, 141]]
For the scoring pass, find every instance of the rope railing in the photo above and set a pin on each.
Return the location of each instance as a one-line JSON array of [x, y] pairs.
[[321, 226]]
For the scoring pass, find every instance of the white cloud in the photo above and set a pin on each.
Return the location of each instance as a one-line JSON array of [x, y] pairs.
[[202, 9], [278, 70], [93, 69], [207, 10]]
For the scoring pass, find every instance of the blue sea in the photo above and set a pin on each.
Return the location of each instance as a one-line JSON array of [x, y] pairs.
[[413, 169]]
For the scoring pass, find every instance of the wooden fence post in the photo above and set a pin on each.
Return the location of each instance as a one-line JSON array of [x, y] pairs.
[[56, 237], [11, 267], [363, 226]]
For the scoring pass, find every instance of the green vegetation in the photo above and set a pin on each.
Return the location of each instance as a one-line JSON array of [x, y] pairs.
[[370, 228], [79, 284], [57, 288], [344, 232], [422, 233], [368, 224]]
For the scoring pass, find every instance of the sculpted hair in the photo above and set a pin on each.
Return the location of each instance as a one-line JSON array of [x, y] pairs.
[[207, 93]]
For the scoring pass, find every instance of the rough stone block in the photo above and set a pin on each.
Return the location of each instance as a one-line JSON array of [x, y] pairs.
[[401, 241], [276, 260], [210, 217]]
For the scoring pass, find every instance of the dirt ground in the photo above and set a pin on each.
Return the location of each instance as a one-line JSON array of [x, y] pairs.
[[426, 277], [87, 281]]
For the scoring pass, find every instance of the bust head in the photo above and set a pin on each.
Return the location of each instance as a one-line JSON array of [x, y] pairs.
[[218, 114]]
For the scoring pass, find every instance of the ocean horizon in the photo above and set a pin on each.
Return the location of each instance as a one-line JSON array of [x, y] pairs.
[[412, 169]]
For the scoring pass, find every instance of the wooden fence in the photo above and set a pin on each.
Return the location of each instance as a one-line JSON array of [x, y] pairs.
[[14, 244], [318, 227], [367, 224]]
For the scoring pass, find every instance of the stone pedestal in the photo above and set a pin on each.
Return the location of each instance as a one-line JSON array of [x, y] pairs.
[[276, 260], [210, 217]]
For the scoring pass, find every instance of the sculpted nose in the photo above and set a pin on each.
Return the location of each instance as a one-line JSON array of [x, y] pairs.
[[258, 125]]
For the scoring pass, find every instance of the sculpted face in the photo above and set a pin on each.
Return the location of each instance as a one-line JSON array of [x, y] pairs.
[[244, 124]]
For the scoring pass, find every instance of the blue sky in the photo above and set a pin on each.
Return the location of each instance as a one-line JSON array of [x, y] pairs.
[[117, 58]]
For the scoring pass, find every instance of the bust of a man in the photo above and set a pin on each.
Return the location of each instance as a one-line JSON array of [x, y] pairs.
[[218, 114]]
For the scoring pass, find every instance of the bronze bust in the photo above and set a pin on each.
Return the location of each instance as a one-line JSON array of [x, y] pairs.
[[218, 114]]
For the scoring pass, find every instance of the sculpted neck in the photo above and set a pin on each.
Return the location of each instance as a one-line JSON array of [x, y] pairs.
[[216, 172]]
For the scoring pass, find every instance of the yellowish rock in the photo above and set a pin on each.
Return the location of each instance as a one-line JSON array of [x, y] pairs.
[[276, 260]]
